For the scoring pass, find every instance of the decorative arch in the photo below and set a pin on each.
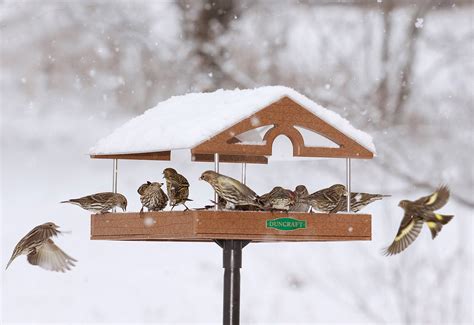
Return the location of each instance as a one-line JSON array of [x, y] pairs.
[[278, 114]]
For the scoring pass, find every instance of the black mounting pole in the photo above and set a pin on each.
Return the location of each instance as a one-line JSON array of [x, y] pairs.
[[232, 263]]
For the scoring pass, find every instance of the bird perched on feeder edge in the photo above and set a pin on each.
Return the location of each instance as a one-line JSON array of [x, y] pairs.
[[325, 200], [358, 201], [278, 199], [231, 190], [100, 202], [152, 196], [177, 187], [300, 192], [41, 250], [419, 212]]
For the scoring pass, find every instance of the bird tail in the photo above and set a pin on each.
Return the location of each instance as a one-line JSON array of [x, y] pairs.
[[437, 223], [11, 260], [71, 201]]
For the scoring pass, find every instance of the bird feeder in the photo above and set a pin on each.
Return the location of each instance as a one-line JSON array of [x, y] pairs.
[[237, 126]]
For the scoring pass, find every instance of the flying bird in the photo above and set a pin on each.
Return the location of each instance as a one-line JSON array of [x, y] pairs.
[[278, 199], [419, 212], [177, 187], [42, 251], [231, 190], [325, 200], [100, 202], [358, 201], [152, 196], [300, 191]]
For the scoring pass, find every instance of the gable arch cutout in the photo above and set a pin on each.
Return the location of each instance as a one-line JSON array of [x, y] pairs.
[[314, 139]]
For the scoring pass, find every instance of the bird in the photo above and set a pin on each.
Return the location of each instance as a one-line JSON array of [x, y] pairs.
[[416, 214], [300, 192], [152, 196], [278, 199], [325, 200], [100, 202], [358, 201], [177, 187], [42, 251], [231, 190]]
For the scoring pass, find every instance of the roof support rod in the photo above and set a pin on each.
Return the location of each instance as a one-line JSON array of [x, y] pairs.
[[114, 177], [216, 169], [348, 183], [244, 173]]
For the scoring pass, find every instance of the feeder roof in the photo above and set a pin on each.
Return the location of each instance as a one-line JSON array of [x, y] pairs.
[[185, 122]]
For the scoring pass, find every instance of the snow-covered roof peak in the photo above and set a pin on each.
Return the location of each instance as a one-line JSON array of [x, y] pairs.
[[183, 122]]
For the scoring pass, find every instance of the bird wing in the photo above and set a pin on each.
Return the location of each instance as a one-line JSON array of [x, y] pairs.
[[179, 180], [436, 200], [102, 197], [408, 231], [50, 257]]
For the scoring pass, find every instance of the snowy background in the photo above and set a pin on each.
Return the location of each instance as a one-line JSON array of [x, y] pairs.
[[71, 72]]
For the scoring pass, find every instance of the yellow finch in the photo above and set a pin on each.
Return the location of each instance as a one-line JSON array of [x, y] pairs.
[[419, 212]]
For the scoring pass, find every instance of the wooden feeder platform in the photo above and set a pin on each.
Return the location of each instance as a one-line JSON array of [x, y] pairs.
[[209, 225]]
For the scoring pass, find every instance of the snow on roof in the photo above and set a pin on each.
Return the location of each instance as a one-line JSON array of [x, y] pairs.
[[183, 122]]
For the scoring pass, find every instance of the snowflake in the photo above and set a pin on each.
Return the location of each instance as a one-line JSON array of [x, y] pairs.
[[419, 23]]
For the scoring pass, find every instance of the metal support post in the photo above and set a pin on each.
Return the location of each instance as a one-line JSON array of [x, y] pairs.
[[216, 169], [114, 178], [244, 173], [348, 183], [232, 263]]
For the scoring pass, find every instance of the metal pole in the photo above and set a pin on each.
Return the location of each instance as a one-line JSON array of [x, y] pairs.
[[114, 178], [114, 175], [348, 183], [244, 173], [216, 169], [232, 263]]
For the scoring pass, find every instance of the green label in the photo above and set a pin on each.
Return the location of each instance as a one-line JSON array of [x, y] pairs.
[[286, 224]]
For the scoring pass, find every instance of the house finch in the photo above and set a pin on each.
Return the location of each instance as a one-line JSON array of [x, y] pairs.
[[416, 213], [152, 196], [278, 199], [325, 200], [177, 187], [231, 190], [358, 201], [300, 192], [100, 202], [41, 250]]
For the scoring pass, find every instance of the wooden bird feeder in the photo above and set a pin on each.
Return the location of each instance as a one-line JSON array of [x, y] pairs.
[[268, 112]]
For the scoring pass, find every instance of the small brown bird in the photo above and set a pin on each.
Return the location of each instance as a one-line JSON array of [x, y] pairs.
[[300, 191], [41, 250], [100, 202], [325, 200], [231, 190], [177, 187], [358, 201], [278, 199], [419, 212], [152, 196]]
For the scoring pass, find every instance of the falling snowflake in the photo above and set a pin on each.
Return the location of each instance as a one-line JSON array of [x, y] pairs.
[[327, 86], [149, 221], [254, 121], [419, 23]]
